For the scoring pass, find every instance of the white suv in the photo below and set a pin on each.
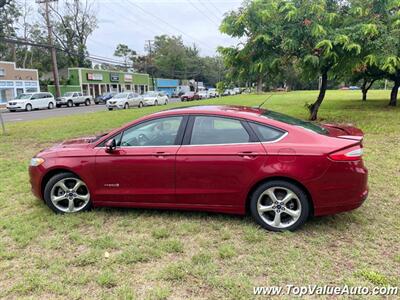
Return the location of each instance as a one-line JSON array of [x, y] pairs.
[[29, 101]]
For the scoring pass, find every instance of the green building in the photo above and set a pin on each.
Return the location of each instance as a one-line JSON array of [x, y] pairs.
[[96, 82]]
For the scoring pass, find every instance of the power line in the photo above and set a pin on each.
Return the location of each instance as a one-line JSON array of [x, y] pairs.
[[47, 46], [213, 5], [168, 24], [203, 13], [211, 11]]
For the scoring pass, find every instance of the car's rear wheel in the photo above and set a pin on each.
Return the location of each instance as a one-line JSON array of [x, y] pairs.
[[87, 102], [279, 205], [28, 107], [67, 193], [51, 105], [126, 106], [70, 103]]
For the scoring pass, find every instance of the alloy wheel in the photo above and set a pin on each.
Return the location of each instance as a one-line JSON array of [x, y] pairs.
[[70, 195], [279, 207]]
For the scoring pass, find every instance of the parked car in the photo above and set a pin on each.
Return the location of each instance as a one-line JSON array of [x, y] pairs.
[[124, 100], [154, 98], [237, 91], [73, 98], [203, 95], [227, 93], [29, 101], [190, 96], [354, 88], [102, 99], [213, 93], [224, 159]]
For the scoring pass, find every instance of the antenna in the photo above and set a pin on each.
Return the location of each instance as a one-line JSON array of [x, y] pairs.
[[269, 97]]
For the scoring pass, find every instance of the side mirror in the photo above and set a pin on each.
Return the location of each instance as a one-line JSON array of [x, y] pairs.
[[111, 145]]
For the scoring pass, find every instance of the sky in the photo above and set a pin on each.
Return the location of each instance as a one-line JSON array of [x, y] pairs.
[[132, 22]]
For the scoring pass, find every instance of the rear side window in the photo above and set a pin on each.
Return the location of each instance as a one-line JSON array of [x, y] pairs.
[[294, 121], [217, 130], [266, 133]]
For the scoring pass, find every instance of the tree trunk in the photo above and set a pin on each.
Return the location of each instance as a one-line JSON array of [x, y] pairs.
[[259, 85], [315, 106], [364, 90], [395, 91]]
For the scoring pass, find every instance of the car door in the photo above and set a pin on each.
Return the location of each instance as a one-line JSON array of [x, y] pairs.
[[142, 168], [217, 162], [35, 101]]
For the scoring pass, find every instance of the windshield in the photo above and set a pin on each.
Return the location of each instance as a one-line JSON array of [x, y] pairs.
[[294, 121], [23, 96], [121, 95]]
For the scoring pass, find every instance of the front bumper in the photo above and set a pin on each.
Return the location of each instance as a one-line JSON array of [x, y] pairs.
[[115, 106], [35, 179], [14, 107]]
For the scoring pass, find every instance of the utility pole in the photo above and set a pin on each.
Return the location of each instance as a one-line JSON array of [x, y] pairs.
[[149, 46], [50, 42]]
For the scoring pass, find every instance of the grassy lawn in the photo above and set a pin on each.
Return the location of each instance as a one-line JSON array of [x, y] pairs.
[[152, 254]]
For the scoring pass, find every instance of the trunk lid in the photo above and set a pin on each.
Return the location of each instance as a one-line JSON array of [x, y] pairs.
[[345, 131]]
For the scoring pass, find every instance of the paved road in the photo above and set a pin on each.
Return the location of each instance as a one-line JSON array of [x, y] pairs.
[[57, 112]]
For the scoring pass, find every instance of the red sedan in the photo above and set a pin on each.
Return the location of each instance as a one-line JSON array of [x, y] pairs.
[[190, 96], [213, 158]]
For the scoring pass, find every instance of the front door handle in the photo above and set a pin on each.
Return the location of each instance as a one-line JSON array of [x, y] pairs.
[[160, 154], [248, 154]]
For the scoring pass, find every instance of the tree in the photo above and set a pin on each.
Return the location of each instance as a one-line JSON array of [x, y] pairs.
[[318, 35], [259, 24], [126, 54], [73, 25], [9, 12]]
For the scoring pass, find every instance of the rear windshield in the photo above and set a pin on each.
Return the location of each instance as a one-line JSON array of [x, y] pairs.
[[294, 121]]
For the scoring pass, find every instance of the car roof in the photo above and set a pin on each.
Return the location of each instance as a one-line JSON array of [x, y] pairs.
[[224, 110]]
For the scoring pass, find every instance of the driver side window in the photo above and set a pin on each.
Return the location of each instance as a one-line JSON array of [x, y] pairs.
[[159, 132]]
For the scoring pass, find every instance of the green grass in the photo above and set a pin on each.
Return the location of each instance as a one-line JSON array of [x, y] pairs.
[[153, 254]]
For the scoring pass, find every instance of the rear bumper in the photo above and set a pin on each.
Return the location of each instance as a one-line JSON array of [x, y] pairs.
[[343, 187]]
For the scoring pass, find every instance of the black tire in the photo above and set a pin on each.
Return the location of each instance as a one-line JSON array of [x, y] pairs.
[[51, 105], [70, 103], [49, 185], [87, 102], [28, 107], [301, 196], [126, 105], [156, 103], [166, 102], [140, 104]]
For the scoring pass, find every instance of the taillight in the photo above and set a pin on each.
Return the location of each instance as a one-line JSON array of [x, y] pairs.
[[348, 154]]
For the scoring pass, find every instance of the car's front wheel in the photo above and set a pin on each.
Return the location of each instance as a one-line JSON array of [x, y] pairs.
[[140, 104], [67, 193], [51, 105], [70, 103], [87, 102], [28, 107], [126, 106], [279, 205]]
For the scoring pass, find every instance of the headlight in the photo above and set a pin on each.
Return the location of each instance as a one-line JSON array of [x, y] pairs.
[[36, 161]]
